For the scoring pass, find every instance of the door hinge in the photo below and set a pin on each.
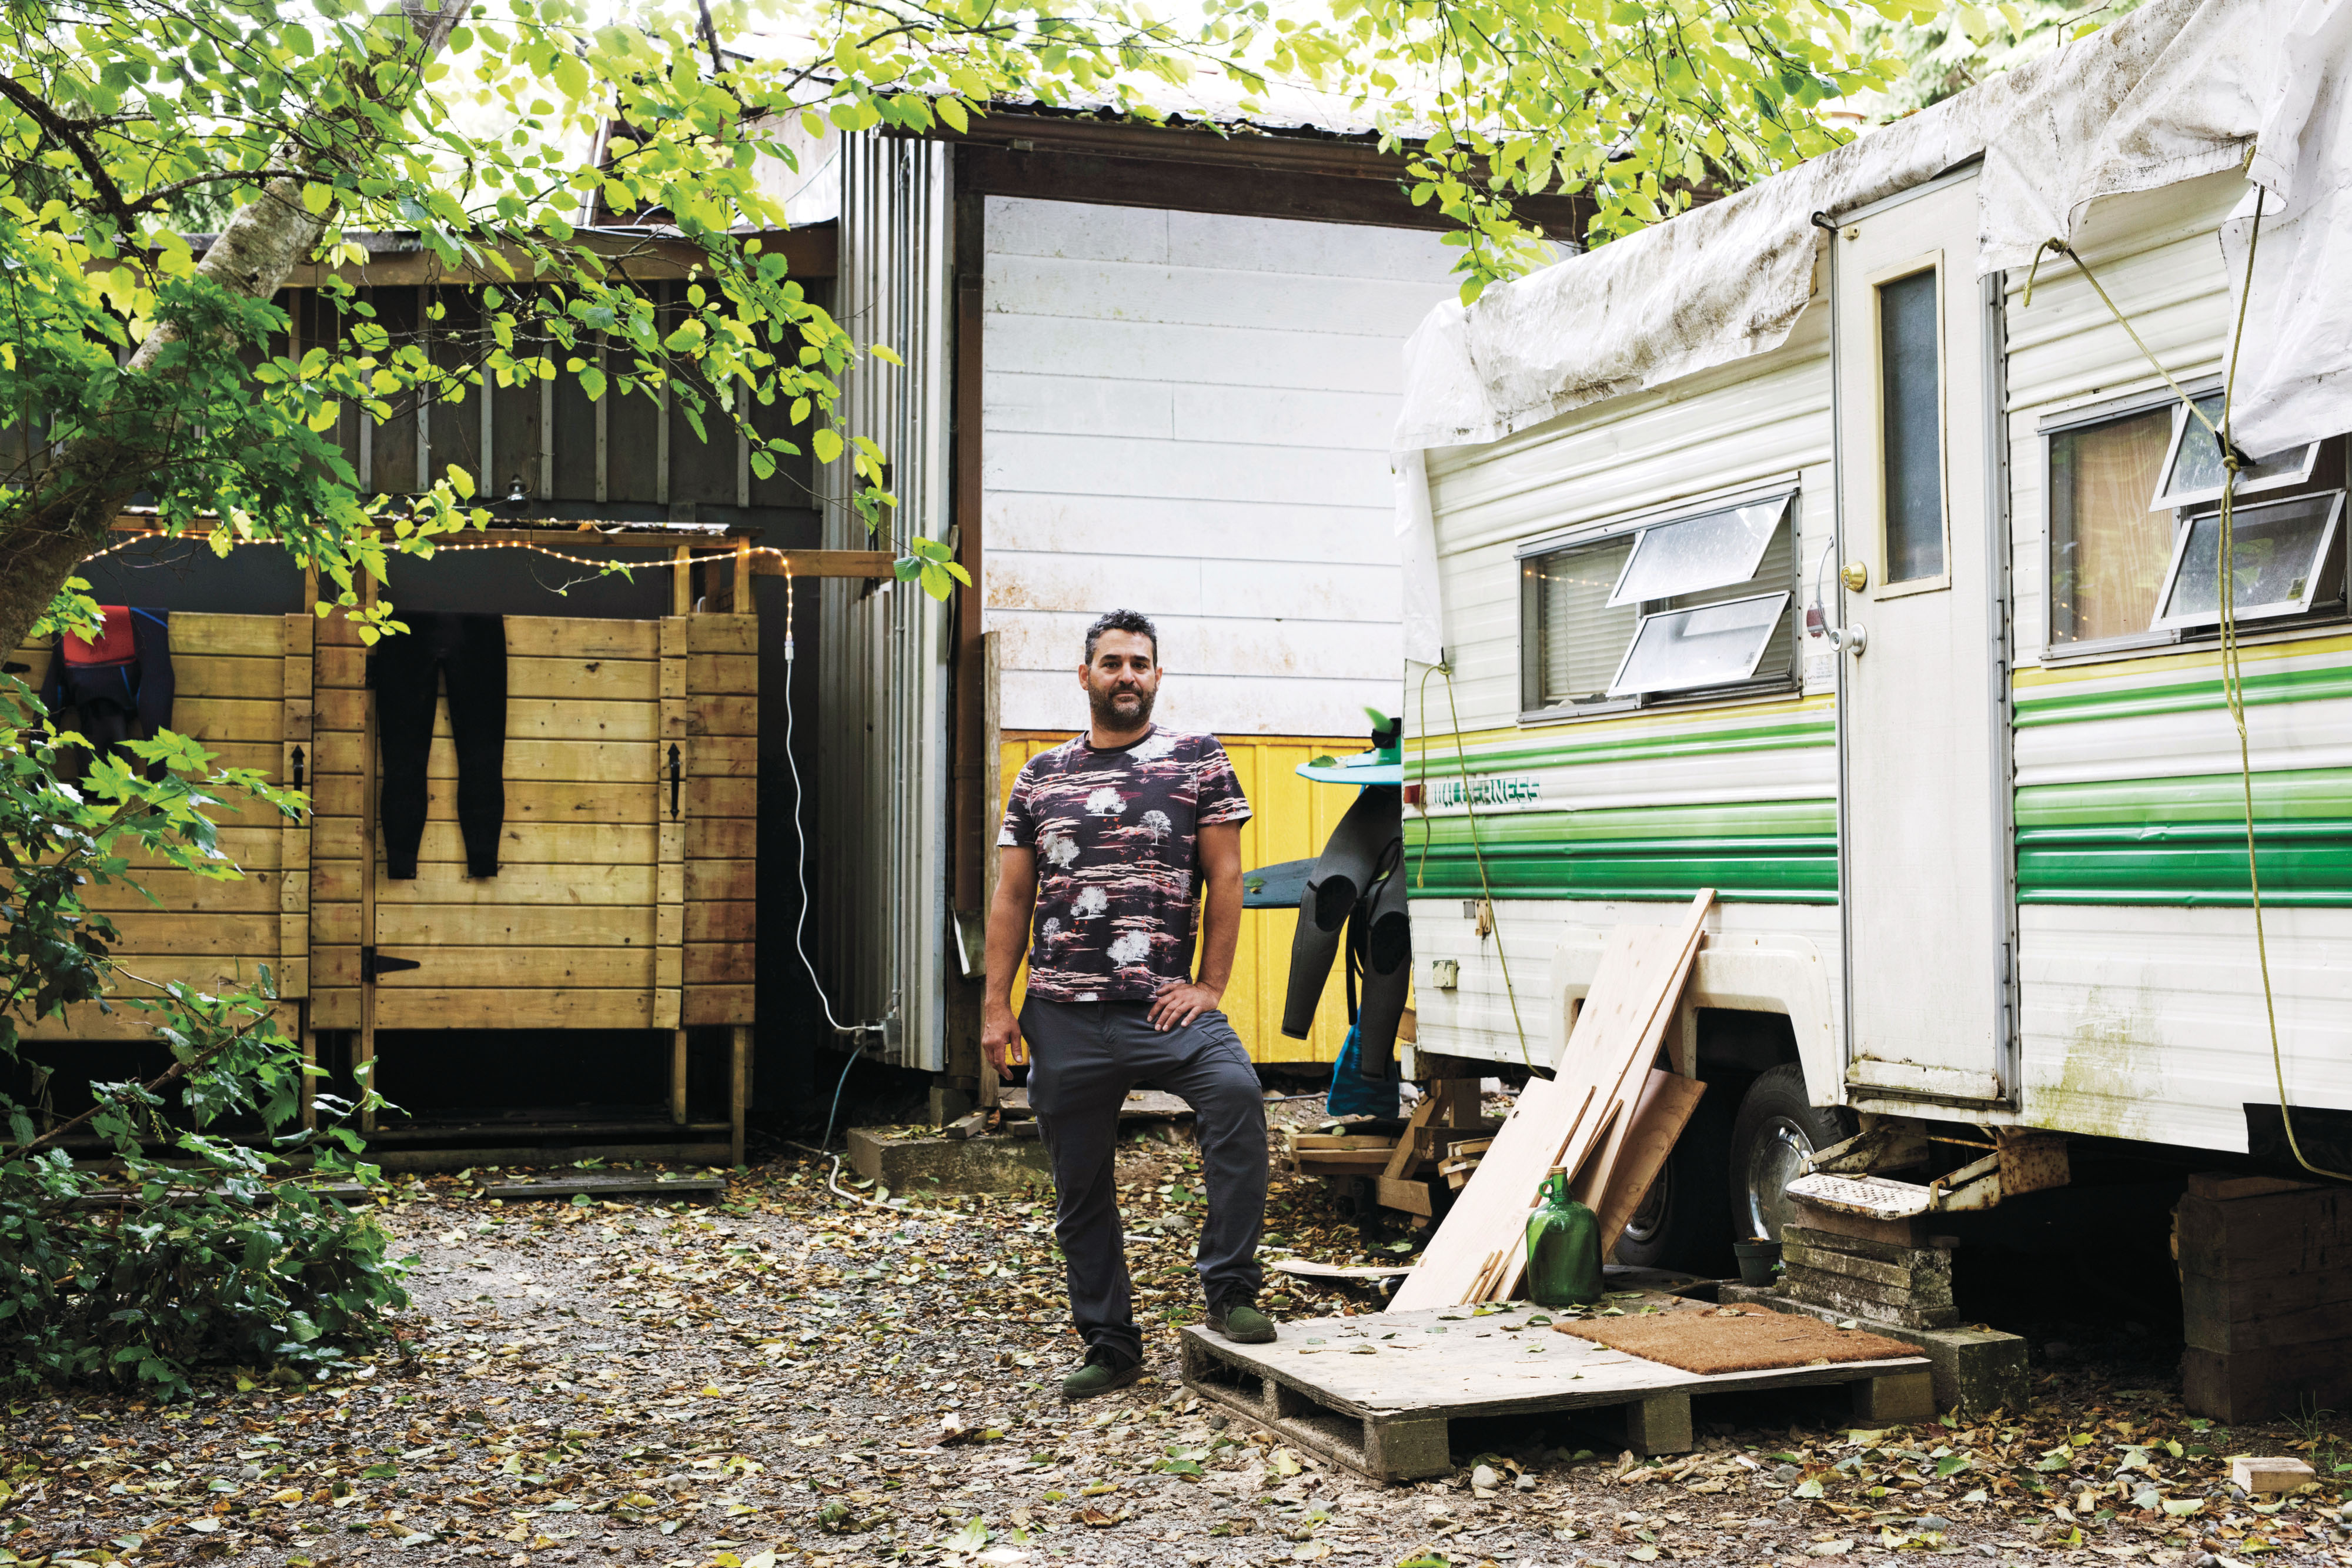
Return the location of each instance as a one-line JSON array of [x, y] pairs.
[[373, 964], [677, 777]]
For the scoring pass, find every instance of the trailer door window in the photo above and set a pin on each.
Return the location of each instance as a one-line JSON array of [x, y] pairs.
[[2108, 553], [2193, 470], [1911, 426], [2280, 554]]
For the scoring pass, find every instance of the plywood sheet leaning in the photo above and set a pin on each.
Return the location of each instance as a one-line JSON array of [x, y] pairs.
[[1615, 1181], [1479, 1252]]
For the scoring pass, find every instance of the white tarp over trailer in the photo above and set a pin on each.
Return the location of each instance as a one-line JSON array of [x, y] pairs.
[[2177, 89]]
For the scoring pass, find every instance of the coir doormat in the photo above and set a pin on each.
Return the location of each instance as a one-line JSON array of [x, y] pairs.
[[1734, 1339]]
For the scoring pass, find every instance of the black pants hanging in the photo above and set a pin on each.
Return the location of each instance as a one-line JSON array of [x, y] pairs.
[[406, 671]]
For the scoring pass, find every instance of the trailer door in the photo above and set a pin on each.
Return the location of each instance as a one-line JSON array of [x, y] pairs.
[[1923, 694]]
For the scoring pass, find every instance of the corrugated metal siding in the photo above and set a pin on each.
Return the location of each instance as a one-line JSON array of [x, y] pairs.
[[1293, 817], [882, 855], [1187, 414], [1583, 812]]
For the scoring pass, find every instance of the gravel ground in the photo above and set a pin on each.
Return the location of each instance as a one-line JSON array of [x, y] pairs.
[[789, 1378]]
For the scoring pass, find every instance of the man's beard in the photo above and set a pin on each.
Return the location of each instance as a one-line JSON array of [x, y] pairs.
[[1108, 716]]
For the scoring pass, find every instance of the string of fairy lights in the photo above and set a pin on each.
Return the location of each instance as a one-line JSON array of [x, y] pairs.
[[532, 545]]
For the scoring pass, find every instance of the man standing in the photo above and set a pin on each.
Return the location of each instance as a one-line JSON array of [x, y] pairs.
[[1107, 839]]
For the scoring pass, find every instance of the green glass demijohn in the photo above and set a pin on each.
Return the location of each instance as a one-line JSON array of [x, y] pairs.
[[1563, 1248]]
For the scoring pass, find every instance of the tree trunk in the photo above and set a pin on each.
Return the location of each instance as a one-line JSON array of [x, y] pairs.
[[76, 499]]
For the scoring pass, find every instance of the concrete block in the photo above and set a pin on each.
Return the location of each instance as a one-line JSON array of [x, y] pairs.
[[1898, 1399], [1847, 1297], [1975, 1370], [1658, 1426], [911, 1166], [2270, 1475]]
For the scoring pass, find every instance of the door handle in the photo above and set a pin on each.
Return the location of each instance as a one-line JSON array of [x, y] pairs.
[[1855, 639]]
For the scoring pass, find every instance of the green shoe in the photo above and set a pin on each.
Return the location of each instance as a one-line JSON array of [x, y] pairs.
[[1240, 1321], [1098, 1374]]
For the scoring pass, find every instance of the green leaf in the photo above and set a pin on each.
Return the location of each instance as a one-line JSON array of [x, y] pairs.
[[1952, 1464], [825, 443], [1808, 1488]]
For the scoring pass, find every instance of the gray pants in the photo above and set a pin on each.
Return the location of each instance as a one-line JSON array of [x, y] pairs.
[[1084, 1056]]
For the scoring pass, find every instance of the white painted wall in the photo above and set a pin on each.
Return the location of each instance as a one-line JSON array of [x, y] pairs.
[[1187, 414]]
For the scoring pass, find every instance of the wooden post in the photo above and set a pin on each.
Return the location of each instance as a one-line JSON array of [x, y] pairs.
[[992, 747], [681, 582], [364, 1053], [738, 592], [677, 1077], [739, 1094], [309, 1084]]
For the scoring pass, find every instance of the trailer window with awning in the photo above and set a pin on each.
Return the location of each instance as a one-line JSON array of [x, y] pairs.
[[2193, 471], [1693, 602]]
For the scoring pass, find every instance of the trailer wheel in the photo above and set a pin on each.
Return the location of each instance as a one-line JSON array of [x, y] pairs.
[[1776, 1128], [1683, 1222]]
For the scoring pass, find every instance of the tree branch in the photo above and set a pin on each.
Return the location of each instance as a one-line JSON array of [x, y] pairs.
[[67, 134]]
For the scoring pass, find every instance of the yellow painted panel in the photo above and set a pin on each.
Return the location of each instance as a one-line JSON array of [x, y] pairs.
[[1292, 817]]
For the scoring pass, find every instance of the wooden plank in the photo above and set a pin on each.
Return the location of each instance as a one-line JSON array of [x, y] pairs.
[[874, 564], [723, 675], [720, 1004], [719, 963], [521, 844], [1339, 1161], [227, 675], [1614, 1184], [580, 637], [589, 925], [557, 800], [85, 1021], [337, 882], [571, 676], [711, 882], [248, 849], [1340, 1141], [527, 718], [443, 965], [1410, 1197], [1621, 1024], [507, 1006], [213, 719], [334, 923], [295, 687], [198, 633], [732, 920], [1404, 1156], [722, 797], [659, 1184], [723, 634], [186, 893], [730, 756], [723, 717], [211, 934], [722, 838], [334, 1009], [678, 1043]]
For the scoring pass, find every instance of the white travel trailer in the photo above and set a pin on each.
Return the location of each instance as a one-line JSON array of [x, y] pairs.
[[1838, 548]]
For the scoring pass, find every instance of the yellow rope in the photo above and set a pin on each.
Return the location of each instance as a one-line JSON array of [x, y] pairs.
[[1477, 852], [2232, 672]]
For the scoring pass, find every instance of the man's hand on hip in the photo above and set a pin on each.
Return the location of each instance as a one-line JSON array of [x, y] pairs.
[[1000, 1035], [1179, 1002]]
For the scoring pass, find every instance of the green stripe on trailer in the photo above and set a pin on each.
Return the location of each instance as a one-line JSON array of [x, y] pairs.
[[2040, 706], [2183, 840], [1769, 852], [1437, 760]]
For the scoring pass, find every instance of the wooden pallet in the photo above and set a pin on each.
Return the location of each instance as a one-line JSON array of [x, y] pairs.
[[1385, 1411]]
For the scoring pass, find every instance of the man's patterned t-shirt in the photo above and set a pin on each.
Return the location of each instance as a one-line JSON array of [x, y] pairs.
[[1116, 835]]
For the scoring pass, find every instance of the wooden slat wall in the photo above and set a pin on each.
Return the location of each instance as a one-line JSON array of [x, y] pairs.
[[232, 682], [721, 818], [552, 940], [338, 800], [608, 911]]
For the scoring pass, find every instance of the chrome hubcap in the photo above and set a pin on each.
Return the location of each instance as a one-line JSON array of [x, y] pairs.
[[1777, 1158]]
